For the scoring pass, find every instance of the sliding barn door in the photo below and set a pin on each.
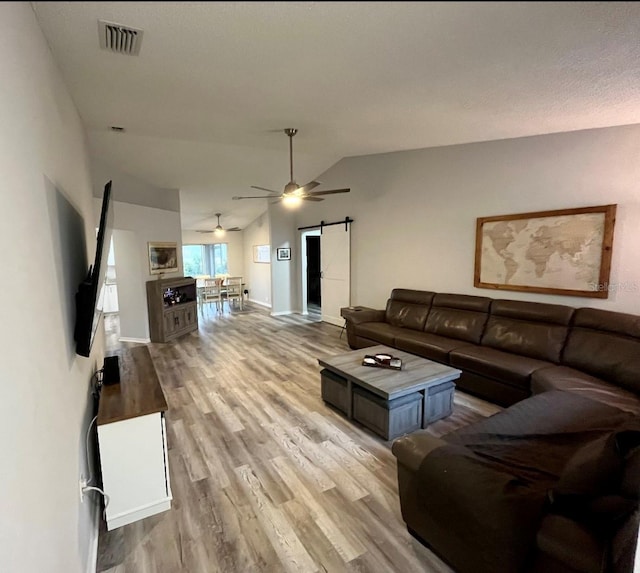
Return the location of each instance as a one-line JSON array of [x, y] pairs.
[[335, 271]]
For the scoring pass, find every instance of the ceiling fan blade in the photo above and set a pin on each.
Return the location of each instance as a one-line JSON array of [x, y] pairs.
[[329, 192], [204, 231], [306, 188], [254, 197], [265, 189], [308, 198], [234, 229]]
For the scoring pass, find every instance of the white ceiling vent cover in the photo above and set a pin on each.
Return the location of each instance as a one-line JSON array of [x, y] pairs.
[[119, 39]]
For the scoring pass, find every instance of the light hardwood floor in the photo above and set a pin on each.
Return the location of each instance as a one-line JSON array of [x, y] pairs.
[[265, 476]]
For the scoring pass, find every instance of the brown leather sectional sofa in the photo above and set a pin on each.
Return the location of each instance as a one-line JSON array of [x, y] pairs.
[[551, 483], [509, 350]]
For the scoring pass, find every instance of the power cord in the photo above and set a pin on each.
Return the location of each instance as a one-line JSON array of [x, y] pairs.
[[89, 464], [87, 488]]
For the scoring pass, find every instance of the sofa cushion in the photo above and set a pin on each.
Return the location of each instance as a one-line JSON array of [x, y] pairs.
[[572, 544], [427, 345], [571, 380], [458, 316], [594, 470], [530, 329], [406, 314], [496, 364], [607, 345], [379, 331], [422, 297]]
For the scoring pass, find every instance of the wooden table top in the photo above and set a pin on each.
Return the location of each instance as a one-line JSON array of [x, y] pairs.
[[417, 373], [139, 392]]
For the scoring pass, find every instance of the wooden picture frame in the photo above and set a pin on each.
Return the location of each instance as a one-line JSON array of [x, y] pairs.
[[283, 253], [565, 252], [262, 253], [163, 257]]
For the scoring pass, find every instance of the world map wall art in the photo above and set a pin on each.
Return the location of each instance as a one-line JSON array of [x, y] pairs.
[[565, 252]]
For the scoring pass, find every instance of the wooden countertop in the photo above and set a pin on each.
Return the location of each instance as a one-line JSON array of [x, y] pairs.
[[139, 392]]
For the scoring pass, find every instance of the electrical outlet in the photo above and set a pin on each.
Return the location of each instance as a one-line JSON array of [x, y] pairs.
[[82, 484]]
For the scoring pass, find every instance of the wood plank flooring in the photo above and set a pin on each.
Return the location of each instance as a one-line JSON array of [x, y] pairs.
[[265, 476]]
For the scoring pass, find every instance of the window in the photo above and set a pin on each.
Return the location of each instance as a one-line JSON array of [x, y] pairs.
[[205, 259]]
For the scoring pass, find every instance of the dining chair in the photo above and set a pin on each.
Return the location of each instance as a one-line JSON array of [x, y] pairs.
[[234, 290], [212, 292]]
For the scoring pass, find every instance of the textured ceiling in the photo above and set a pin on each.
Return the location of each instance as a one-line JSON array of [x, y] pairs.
[[215, 83]]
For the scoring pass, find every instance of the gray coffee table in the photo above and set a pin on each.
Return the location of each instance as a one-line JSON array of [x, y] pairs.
[[389, 402]]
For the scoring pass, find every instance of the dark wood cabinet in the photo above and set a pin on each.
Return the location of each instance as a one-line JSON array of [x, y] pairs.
[[172, 306]]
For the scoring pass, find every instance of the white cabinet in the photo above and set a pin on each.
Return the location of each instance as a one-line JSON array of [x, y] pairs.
[[132, 441], [135, 472]]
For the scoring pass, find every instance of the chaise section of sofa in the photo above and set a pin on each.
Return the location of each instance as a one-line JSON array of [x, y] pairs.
[[480, 497]]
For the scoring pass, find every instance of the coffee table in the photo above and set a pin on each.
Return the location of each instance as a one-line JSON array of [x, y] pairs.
[[389, 402]]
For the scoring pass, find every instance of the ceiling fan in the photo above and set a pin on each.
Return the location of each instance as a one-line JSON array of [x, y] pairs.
[[219, 230], [293, 193]]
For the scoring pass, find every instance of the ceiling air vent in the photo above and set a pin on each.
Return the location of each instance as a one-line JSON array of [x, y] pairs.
[[119, 39]]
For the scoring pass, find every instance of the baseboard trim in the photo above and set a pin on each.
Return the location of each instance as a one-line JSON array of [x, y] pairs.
[[265, 304], [92, 557], [140, 513], [140, 340], [282, 313]]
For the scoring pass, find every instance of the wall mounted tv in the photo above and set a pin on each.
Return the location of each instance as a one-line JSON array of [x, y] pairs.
[[90, 295]]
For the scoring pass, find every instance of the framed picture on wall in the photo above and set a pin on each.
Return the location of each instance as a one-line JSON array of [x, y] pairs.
[[284, 254], [163, 258], [566, 252], [262, 253]]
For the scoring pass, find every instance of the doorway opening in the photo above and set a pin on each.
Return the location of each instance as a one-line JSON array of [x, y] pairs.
[[311, 283]]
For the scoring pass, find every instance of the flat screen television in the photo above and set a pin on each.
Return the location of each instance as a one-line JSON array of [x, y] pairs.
[[90, 294]]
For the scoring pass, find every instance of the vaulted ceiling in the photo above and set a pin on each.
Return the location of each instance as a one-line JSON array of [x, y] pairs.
[[205, 102]]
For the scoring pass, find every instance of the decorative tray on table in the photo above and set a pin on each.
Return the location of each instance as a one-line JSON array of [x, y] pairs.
[[382, 361]]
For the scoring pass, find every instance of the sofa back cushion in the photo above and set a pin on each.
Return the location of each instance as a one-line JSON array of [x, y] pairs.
[[458, 316], [408, 308], [531, 329], [607, 345]]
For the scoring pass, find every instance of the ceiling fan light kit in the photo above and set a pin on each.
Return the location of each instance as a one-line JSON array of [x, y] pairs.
[[293, 194], [219, 230]]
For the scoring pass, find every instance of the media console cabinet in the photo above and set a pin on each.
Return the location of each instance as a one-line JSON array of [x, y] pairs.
[[132, 441]]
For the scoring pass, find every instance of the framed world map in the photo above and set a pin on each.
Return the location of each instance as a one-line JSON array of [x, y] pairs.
[[564, 252]]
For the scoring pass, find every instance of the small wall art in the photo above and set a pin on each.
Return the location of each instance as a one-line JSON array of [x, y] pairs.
[[163, 258], [284, 254], [262, 253]]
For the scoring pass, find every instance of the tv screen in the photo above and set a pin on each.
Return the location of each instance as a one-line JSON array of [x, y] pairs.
[[90, 295]]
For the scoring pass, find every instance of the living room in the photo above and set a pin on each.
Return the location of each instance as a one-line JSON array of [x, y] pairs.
[[537, 111]]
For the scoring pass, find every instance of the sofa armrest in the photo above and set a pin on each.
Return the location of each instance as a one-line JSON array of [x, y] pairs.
[[413, 448], [364, 315]]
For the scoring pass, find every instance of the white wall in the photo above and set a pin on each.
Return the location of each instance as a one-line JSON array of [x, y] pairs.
[[143, 225], [47, 228], [235, 247], [257, 276], [129, 189], [284, 274], [415, 211]]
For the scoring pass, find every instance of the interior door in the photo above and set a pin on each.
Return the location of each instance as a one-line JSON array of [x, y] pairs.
[[313, 270], [335, 266]]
